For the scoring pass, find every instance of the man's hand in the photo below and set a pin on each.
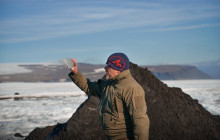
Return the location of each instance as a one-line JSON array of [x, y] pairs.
[[75, 68]]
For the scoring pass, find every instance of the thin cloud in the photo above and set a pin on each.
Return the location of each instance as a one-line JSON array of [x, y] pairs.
[[186, 27], [71, 19]]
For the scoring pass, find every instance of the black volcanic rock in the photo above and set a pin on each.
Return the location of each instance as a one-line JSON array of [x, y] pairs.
[[173, 115]]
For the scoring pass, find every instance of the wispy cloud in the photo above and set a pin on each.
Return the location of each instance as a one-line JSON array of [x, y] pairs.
[[83, 18], [186, 27]]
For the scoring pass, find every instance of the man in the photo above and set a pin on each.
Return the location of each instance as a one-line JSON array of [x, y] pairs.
[[122, 108]]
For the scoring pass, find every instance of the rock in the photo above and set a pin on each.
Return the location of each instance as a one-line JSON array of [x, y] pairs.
[[16, 93], [172, 113], [17, 97], [18, 135]]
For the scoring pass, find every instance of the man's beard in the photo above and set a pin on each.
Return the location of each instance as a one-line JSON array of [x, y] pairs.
[[106, 76]]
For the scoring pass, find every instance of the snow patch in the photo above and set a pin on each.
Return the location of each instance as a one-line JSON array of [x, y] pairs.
[[99, 70], [12, 68]]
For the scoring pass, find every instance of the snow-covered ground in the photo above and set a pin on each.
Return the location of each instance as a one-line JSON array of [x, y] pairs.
[[43, 104], [53, 103]]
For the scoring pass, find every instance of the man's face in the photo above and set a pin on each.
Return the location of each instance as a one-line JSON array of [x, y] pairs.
[[110, 72]]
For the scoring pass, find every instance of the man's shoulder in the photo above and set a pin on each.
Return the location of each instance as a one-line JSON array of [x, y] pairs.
[[130, 85], [131, 82]]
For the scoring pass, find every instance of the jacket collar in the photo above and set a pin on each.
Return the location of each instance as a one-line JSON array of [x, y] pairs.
[[124, 74]]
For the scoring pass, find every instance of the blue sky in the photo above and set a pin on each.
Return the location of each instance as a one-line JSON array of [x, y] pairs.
[[150, 32]]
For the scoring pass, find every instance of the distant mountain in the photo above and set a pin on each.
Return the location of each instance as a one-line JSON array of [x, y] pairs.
[[177, 72], [212, 68], [59, 73], [48, 73]]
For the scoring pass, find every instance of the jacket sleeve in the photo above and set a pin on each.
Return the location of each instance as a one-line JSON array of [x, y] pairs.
[[136, 106], [90, 88]]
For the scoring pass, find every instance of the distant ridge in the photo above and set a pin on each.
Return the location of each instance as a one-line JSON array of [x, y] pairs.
[[58, 73], [177, 72]]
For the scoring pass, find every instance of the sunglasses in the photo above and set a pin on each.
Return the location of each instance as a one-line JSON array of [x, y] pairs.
[[108, 66]]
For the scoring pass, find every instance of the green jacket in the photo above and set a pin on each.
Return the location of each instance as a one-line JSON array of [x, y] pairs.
[[122, 108]]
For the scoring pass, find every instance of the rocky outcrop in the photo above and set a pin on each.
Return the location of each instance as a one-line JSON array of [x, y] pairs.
[[172, 113]]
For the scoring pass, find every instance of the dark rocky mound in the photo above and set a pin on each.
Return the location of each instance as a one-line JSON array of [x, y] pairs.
[[173, 115]]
